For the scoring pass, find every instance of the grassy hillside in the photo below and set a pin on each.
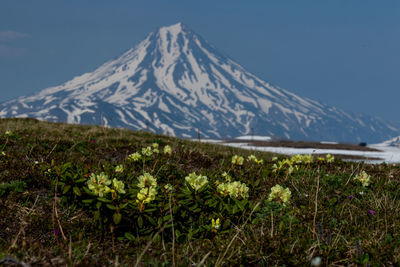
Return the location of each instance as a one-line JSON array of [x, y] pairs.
[[86, 195]]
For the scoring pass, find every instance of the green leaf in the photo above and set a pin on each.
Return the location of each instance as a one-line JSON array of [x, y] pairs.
[[111, 207], [151, 220], [193, 207], [129, 236], [77, 191], [88, 201], [117, 218], [80, 180], [281, 226], [66, 189], [167, 217], [122, 206], [234, 209], [105, 200], [87, 190]]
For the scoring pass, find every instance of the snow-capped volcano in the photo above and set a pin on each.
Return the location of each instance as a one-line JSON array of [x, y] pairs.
[[174, 82]]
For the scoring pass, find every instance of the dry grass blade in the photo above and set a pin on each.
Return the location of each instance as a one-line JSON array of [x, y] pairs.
[[23, 225], [220, 258], [139, 259], [201, 263]]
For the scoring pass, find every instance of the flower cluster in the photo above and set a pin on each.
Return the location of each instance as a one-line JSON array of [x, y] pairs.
[[285, 164], [291, 165], [364, 178], [233, 189], [254, 158], [148, 190], [155, 148], [146, 180], [328, 158], [280, 194], [215, 225], [100, 184], [237, 160], [135, 156], [149, 151], [119, 187], [167, 150], [119, 168], [8, 133], [298, 159], [146, 195], [196, 181]]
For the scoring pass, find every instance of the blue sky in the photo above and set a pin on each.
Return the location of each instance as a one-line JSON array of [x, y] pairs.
[[341, 52]]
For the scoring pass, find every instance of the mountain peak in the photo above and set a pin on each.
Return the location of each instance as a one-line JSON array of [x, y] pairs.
[[174, 82], [174, 28]]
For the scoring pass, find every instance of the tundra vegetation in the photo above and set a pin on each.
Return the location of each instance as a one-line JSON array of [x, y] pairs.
[[88, 195]]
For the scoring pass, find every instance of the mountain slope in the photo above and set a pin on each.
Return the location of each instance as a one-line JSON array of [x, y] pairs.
[[174, 82], [394, 142]]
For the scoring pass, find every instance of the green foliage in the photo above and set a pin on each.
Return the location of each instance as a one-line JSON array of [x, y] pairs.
[[70, 179], [17, 186], [333, 213], [147, 204]]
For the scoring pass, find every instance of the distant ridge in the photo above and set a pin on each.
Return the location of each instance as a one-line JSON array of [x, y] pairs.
[[174, 82]]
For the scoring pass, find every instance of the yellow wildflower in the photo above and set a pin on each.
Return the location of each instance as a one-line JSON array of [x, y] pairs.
[[119, 186], [233, 189], [146, 180], [330, 158], [147, 151], [259, 161], [135, 156], [237, 160], [196, 181], [215, 225], [364, 178], [119, 168], [146, 195], [251, 158], [167, 150], [280, 194], [98, 183]]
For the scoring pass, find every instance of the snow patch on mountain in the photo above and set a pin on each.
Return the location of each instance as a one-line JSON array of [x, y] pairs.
[[174, 82]]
